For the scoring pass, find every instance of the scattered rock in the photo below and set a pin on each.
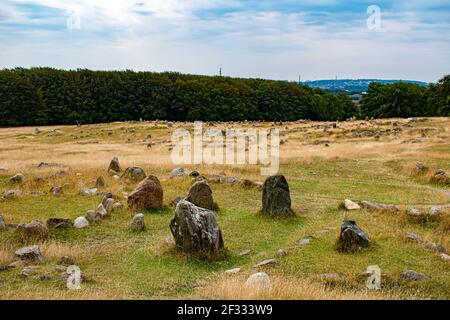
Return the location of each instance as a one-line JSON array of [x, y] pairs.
[[81, 222], [420, 168], [9, 194], [147, 195], [101, 211], [114, 165], [2, 223], [378, 207], [134, 174], [305, 241], [413, 237], [331, 278], [108, 204], [100, 182], [233, 271], [59, 223], [352, 238], [436, 211], [266, 263], [281, 253], [434, 247], [259, 281], [93, 216], [414, 212], [411, 275], [194, 173], [244, 252], [117, 205], [230, 180], [18, 178], [88, 192], [276, 198], [177, 173], [445, 257], [138, 223], [350, 205], [56, 191], [35, 230], [28, 271], [440, 177], [200, 194], [29, 254], [66, 261], [195, 229]]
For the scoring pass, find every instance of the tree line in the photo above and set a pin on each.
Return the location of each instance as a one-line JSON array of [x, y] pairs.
[[46, 96]]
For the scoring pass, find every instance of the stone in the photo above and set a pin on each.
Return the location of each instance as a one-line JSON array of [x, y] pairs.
[[100, 182], [134, 174], [9, 194], [200, 194], [81, 222], [436, 211], [411, 275], [59, 223], [45, 277], [175, 201], [30, 253], [413, 237], [66, 261], [419, 168], [196, 229], [56, 191], [281, 253], [266, 263], [331, 278], [230, 180], [18, 178], [414, 212], [101, 211], [434, 247], [305, 241], [108, 205], [350, 205], [233, 271], [93, 216], [88, 192], [177, 173], [114, 165], [445, 257], [194, 173], [138, 222], [258, 281], [117, 205], [35, 230], [28, 271], [2, 223], [244, 252], [276, 198], [373, 206], [440, 177], [147, 195], [246, 183], [105, 198], [352, 238]]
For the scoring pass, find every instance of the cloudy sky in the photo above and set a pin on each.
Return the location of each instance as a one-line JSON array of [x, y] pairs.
[[282, 39]]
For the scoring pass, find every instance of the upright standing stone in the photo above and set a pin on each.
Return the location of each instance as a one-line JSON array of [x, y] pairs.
[[200, 194], [352, 238], [147, 195], [195, 229], [138, 222], [114, 165], [276, 198]]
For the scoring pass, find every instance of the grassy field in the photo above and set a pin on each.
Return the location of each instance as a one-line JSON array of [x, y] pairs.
[[358, 160]]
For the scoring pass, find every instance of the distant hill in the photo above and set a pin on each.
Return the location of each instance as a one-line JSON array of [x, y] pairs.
[[352, 85]]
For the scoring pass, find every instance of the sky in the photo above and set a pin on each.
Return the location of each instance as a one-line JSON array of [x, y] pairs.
[[283, 39]]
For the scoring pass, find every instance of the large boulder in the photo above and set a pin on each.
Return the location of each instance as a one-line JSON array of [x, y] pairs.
[[18, 178], [276, 198], [200, 194], [30, 254], [147, 195], [114, 165], [10, 194], [195, 229], [80, 223], [352, 238], [134, 174], [35, 230]]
